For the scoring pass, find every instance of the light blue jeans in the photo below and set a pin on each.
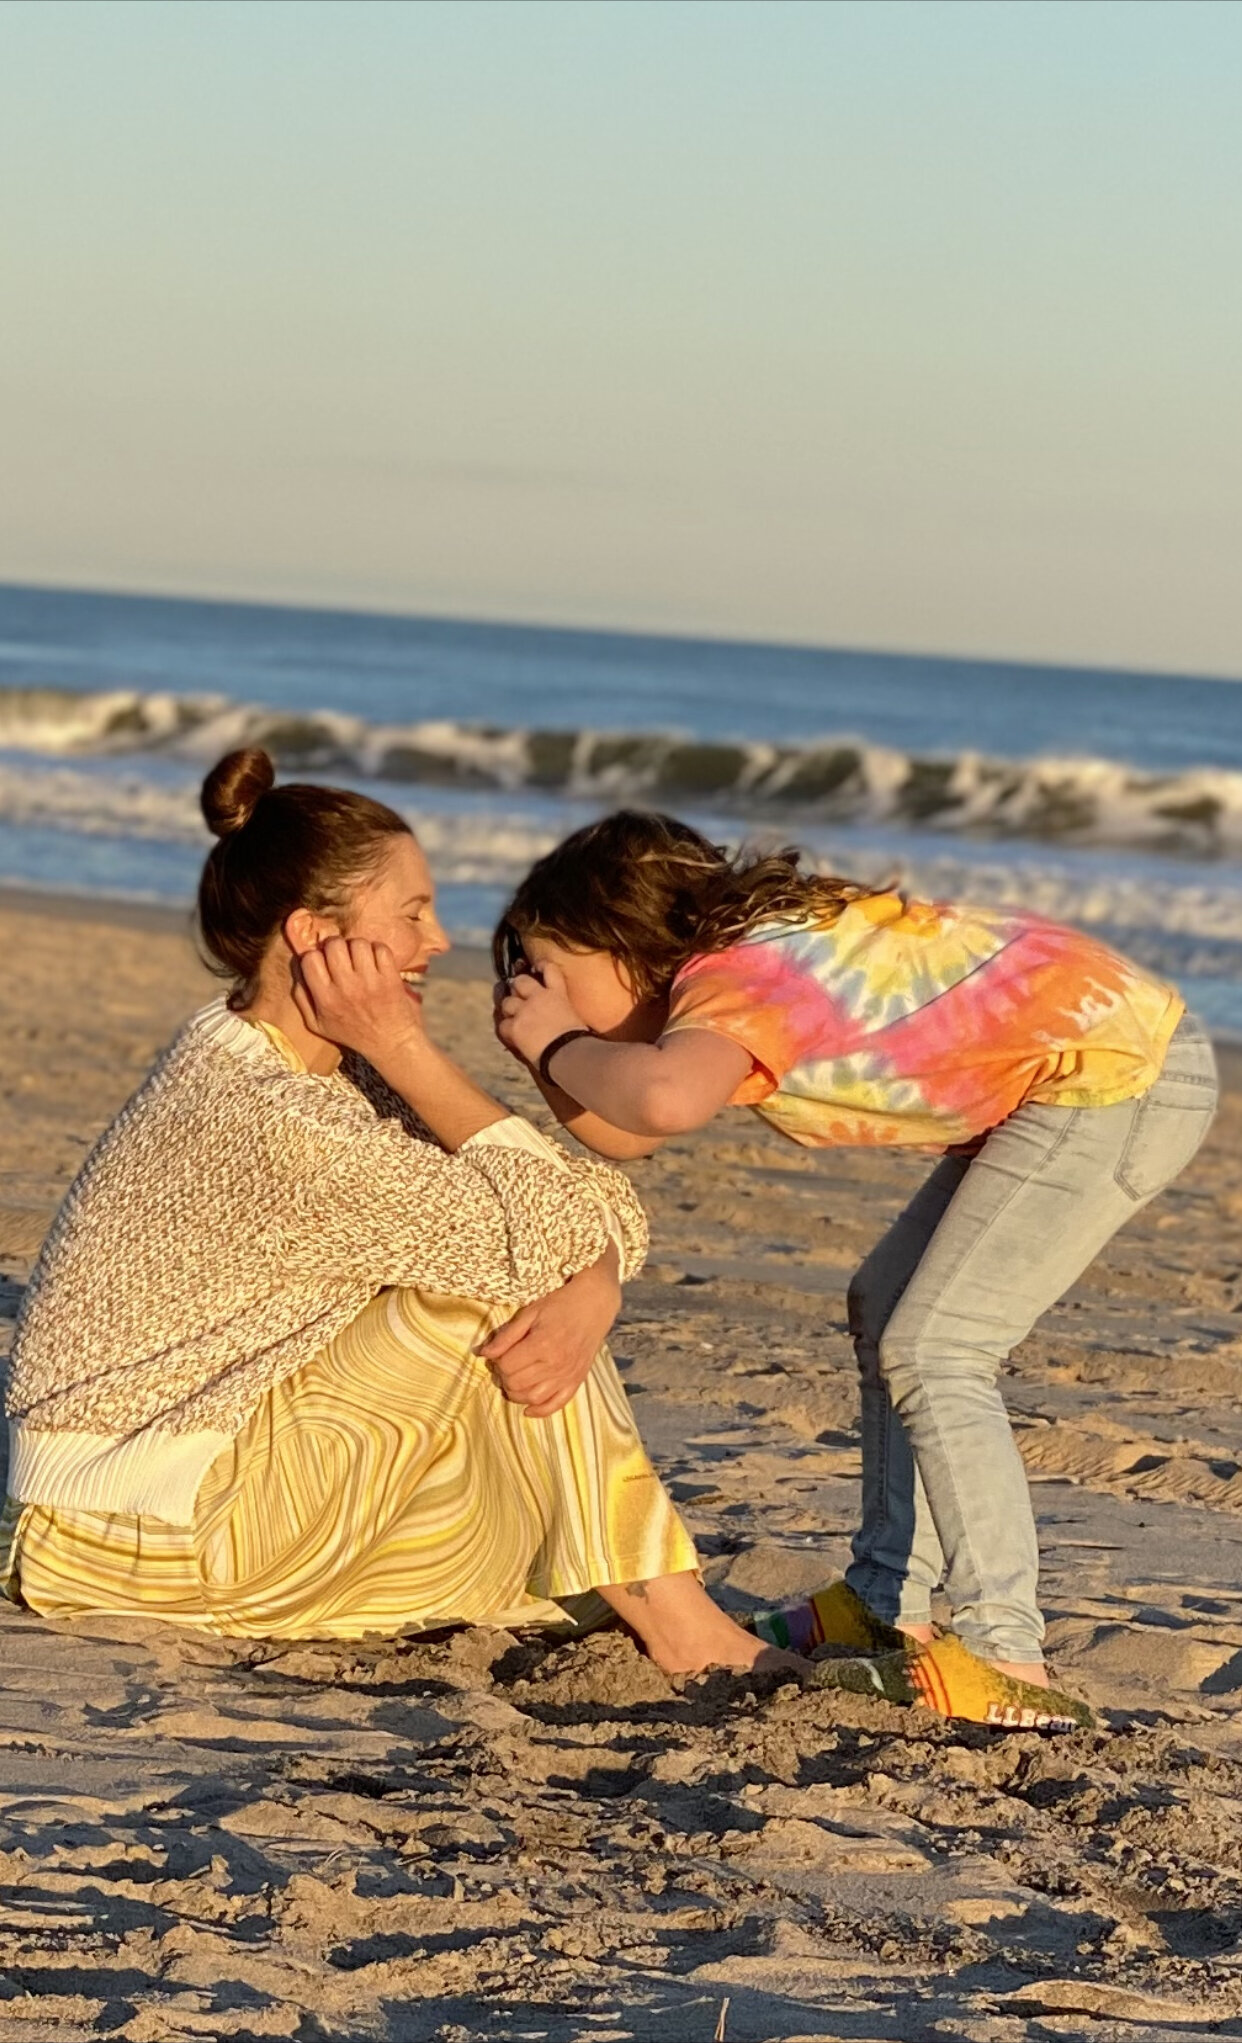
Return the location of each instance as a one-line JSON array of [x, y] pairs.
[[986, 1246]]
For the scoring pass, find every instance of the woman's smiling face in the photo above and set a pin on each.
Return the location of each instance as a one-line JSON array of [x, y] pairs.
[[396, 905]]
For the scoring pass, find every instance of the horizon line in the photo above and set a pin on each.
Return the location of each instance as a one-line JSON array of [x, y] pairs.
[[667, 635]]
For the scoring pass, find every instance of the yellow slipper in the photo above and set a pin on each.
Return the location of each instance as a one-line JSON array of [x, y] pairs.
[[947, 1677]]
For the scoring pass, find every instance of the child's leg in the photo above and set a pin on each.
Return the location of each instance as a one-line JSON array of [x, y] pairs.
[[897, 1561], [1045, 1193]]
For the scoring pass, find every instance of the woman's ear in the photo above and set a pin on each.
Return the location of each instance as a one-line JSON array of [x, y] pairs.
[[304, 931]]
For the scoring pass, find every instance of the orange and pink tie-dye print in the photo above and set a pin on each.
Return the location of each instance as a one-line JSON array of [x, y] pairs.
[[926, 1023]]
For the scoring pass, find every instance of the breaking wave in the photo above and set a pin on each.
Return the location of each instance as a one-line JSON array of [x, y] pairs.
[[1179, 920], [833, 780], [488, 849]]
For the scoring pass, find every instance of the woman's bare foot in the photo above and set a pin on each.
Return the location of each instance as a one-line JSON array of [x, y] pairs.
[[922, 1634], [684, 1632]]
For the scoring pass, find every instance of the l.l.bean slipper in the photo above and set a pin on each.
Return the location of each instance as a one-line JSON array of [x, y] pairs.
[[947, 1677]]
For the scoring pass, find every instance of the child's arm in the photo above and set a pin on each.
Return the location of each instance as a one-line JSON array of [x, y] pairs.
[[593, 1131], [648, 1089], [654, 1089]]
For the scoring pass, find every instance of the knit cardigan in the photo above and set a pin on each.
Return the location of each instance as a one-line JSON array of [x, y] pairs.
[[234, 1217]]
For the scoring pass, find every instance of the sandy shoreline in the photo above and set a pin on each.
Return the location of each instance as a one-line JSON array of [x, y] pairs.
[[482, 1837], [169, 918]]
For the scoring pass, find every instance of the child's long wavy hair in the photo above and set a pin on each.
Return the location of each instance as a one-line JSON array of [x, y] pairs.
[[654, 893]]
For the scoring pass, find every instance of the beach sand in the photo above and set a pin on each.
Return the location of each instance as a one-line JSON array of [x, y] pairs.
[[479, 1836]]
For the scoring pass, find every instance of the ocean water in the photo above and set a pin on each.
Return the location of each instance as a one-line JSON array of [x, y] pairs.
[[1108, 799]]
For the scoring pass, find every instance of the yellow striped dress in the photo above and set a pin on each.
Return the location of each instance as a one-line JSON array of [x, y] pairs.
[[386, 1485]]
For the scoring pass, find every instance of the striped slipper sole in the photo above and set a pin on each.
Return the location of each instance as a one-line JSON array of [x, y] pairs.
[[948, 1678]]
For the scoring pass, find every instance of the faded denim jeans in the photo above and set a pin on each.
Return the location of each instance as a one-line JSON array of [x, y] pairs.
[[986, 1246]]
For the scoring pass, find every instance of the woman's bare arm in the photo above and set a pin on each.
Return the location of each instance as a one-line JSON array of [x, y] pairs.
[[351, 993]]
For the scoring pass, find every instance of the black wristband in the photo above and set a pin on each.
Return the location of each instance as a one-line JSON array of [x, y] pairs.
[[558, 1043]]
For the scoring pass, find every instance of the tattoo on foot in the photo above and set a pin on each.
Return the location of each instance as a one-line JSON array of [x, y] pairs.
[[638, 1589]]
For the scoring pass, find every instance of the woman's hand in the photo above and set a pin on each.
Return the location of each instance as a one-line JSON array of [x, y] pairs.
[[534, 1012], [350, 992], [542, 1357]]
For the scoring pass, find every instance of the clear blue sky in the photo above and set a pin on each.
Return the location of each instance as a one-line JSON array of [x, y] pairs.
[[914, 325]]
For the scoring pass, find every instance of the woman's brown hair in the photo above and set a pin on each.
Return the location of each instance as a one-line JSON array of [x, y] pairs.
[[654, 893], [279, 848]]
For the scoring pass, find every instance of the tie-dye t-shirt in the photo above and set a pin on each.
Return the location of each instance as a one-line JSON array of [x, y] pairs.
[[926, 1023]]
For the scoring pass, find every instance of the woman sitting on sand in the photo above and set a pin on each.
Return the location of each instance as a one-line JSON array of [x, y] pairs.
[[261, 1383]]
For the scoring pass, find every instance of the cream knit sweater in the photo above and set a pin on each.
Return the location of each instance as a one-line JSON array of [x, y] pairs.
[[234, 1217]]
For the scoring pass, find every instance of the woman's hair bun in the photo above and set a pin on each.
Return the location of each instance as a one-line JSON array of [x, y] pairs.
[[233, 788]]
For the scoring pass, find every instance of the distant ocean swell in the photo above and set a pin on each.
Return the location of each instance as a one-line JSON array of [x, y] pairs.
[[1087, 802]]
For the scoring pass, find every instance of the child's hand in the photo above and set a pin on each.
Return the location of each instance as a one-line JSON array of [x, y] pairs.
[[534, 1013], [500, 993]]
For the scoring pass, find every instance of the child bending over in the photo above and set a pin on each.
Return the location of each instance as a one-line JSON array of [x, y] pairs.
[[1061, 1085]]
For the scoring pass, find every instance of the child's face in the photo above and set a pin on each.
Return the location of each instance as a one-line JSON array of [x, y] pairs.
[[599, 987]]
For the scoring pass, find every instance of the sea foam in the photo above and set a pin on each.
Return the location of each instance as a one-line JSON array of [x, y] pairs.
[[833, 779]]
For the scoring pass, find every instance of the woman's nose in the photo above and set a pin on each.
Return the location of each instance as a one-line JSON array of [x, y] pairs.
[[438, 942]]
